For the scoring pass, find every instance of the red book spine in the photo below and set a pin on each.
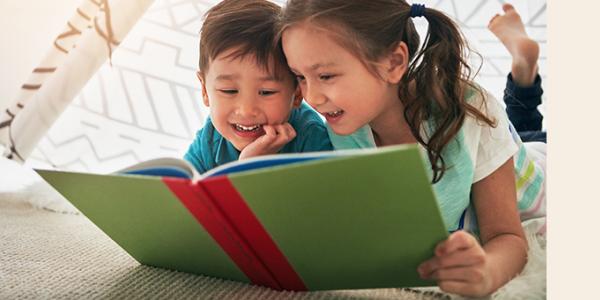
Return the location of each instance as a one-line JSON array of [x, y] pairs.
[[253, 232], [211, 217]]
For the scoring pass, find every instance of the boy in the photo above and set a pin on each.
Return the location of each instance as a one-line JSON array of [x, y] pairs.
[[255, 105]]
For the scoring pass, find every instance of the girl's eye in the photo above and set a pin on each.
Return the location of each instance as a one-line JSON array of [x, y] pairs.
[[266, 92], [326, 77], [228, 91], [300, 78]]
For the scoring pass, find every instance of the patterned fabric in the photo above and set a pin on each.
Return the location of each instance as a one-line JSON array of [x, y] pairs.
[[476, 152]]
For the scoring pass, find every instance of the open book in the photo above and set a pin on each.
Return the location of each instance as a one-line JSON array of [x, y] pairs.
[[175, 167], [312, 221]]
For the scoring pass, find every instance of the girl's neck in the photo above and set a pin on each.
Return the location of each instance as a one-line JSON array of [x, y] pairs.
[[390, 127]]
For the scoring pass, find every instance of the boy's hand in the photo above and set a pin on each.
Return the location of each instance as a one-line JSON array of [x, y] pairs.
[[275, 137], [460, 266]]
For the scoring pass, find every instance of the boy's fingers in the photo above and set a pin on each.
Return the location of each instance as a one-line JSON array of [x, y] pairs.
[[290, 133], [266, 138], [284, 133], [269, 131]]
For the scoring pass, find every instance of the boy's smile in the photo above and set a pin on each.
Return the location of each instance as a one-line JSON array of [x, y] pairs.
[[249, 131], [243, 97]]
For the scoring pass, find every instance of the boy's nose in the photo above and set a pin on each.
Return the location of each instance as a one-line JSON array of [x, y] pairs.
[[248, 108]]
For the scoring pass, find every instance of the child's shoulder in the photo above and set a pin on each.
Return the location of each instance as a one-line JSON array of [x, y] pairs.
[[479, 98], [304, 117], [475, 94], [311, 131]]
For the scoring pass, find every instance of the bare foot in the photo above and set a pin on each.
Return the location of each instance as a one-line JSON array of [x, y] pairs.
[[524, 51]]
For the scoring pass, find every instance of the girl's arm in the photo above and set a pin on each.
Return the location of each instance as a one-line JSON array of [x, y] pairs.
[[501, 232], [461, 265]]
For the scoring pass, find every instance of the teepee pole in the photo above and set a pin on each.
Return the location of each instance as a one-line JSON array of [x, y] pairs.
[[74, 58]]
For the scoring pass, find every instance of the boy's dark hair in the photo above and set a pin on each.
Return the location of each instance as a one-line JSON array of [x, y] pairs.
[[250, 25]]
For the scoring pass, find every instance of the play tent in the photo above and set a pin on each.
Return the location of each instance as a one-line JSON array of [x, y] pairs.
[[118, 84]]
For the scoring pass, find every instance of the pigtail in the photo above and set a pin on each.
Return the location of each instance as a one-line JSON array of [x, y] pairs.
[[433, 89], [441, 76]]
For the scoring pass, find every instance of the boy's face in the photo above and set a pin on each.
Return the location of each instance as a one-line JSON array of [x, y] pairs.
[[242, 97]]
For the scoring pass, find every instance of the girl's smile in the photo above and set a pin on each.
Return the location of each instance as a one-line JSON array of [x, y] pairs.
[[333, 116]]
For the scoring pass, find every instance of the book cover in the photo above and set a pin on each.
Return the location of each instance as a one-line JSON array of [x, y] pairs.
[[348, 220]]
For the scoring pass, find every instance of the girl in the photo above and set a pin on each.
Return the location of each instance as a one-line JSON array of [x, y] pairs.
[[359, 64]]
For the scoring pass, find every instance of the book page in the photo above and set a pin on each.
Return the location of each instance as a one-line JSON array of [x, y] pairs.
[[166, 167], [274, 160]]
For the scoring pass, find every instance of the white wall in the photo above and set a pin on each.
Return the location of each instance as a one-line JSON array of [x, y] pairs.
[[27, 29]]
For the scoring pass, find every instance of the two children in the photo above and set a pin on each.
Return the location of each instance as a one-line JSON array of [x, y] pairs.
[[255, 106], [359, 64]]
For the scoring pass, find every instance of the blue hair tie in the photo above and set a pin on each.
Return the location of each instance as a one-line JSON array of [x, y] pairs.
[[417, 10]]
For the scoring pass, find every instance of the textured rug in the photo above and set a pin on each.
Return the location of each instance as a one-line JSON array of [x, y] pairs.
[[62, 255]]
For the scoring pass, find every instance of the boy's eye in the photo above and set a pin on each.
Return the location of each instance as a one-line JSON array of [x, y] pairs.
[[266, 92], [228, 91]]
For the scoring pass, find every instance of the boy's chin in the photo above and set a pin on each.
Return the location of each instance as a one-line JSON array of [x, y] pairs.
[[240, 146]]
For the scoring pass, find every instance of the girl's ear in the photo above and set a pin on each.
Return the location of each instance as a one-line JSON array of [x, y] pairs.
[[297, 97], [396, 63], [204, 93]]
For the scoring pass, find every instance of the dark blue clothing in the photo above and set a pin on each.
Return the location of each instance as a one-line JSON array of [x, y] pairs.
[[521, 107]]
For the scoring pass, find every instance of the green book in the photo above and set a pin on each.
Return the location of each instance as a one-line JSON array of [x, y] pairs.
[[312, 221]]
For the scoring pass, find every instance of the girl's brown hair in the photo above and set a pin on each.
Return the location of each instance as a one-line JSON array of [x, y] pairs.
[[439, 69]]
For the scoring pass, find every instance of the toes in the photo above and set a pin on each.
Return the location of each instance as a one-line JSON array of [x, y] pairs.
[[492, 19], [506, 7]]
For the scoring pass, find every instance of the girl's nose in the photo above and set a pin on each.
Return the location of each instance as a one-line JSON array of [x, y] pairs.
[[313, 95]]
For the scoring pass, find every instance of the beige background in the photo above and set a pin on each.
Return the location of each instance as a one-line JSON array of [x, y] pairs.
[[573, 150], [573, 67]]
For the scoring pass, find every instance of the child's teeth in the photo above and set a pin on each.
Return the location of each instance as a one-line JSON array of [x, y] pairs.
[[335, 113], [247, 128]]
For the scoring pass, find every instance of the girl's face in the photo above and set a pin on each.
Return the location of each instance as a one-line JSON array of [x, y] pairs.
[[335, 82]]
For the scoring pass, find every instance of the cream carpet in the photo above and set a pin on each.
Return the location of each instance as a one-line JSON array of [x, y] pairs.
[[46, 254]]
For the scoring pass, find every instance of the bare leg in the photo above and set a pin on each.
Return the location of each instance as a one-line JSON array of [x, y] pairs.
[[510, 30]]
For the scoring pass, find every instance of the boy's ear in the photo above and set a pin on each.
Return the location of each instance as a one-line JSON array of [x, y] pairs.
[[204, 93], [297, 97], [396, 63]]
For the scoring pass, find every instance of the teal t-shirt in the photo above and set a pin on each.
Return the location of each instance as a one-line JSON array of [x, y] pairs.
[[210, 149]]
